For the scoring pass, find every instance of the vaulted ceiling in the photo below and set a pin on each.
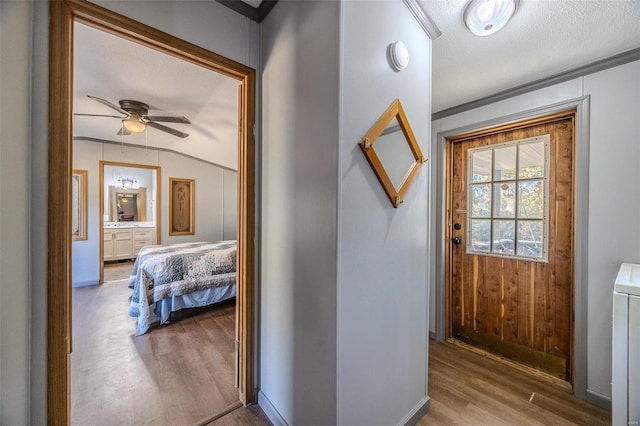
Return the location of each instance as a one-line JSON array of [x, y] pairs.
[[112, 68]]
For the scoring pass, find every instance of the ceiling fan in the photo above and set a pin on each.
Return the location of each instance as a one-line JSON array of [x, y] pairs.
[[136, 117]]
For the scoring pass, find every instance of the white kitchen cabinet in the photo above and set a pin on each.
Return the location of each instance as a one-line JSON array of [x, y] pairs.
[[626, 347], [126, 242]]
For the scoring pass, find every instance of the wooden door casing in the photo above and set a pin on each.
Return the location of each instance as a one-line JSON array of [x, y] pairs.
[[521, 309]]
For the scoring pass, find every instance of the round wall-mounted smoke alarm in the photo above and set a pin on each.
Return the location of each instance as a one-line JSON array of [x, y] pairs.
[[399, 55]]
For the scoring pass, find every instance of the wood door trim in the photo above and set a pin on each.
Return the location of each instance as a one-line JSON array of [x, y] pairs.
[[544, 119], [63, 13], [448, 267], [570, 113]]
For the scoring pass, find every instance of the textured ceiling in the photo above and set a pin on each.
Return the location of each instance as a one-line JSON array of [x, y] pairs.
[[544, 38], [112, 68]]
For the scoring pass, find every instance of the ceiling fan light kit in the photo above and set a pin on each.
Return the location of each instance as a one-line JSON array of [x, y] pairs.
[[134, 124], [136, 117], [485, 17]]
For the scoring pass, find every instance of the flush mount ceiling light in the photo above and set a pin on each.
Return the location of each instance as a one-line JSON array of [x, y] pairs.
[[485, 17]]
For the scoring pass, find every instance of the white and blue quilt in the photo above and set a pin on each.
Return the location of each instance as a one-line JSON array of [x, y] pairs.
[[176, 276]]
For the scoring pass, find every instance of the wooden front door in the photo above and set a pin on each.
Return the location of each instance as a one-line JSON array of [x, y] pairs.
[[510, 241]]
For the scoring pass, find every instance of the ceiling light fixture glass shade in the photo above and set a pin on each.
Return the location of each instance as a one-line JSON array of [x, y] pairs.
[[485, 17], [134, 125]]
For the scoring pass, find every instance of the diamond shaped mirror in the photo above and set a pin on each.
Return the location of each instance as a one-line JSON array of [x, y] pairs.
[[393, 152]]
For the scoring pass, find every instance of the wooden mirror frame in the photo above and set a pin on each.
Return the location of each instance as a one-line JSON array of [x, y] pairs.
[[367, 145]]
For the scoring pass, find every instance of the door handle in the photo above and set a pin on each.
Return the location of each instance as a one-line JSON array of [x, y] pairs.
[[457, 240]]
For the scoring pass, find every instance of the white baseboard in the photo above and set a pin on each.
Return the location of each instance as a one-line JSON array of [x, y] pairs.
[[599, 400], [84, 283], [411, 418], [271, 412], [416, 413]]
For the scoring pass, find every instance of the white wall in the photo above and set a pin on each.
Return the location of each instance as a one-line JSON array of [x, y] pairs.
[[212, 203], [614, 200], [15, 85], [209, 202], [344, 274], [613, 192], [382, 251], [24, 58], [299, 173]]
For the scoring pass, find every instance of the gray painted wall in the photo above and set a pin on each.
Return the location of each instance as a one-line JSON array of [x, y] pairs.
[[382, 251], [15, 84], [614, 155], [23, 157], [299, 181], [336, 255], [215, 199]]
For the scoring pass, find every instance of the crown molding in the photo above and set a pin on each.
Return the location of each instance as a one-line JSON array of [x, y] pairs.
[[423, 19], [601, 65]]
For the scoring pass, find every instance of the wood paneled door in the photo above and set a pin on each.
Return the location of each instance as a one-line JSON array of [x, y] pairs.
[[510, 241]]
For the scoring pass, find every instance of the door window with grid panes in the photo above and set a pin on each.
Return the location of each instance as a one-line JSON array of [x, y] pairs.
[[508, 199]]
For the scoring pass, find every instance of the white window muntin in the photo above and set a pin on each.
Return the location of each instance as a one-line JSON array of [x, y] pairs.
[[517, 219]]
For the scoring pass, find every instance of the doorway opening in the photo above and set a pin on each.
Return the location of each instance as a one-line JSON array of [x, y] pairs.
[[62, 17], [509, 241]]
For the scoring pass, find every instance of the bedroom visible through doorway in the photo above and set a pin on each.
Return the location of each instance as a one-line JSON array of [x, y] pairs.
[[63, 14]]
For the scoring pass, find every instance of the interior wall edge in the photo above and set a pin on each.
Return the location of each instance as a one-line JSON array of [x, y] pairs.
[[39, 186]]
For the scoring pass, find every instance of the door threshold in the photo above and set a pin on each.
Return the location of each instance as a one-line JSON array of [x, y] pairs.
[[522, 367], [228, 409]]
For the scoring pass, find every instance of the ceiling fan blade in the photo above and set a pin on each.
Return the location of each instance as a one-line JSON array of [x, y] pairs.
[[109, 104], [168, 119], [123, 131], [97, 115], [167, 129]]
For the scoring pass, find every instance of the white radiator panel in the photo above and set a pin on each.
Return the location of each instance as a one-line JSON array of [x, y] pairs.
[[626, 347]]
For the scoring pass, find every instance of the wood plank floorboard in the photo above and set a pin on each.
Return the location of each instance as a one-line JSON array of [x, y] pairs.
[[467, 388], [117, 270], [176, 374]]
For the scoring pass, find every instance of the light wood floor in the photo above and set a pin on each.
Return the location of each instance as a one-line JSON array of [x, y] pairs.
[[177, 374], [117, 270], [470, 389], [182, 373]]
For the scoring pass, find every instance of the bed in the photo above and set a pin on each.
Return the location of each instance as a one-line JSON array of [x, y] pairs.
[[167, 278]]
